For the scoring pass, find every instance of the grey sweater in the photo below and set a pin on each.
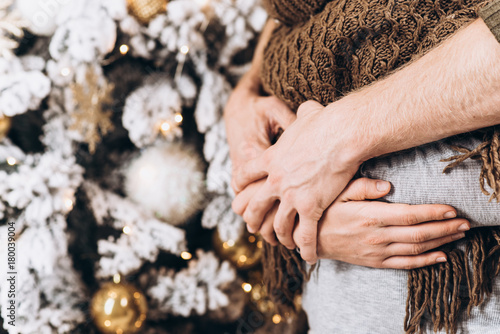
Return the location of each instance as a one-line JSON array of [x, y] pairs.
[[344, 298]]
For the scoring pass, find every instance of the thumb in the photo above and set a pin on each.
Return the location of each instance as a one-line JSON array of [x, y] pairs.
[[308, 107], [364, 188]]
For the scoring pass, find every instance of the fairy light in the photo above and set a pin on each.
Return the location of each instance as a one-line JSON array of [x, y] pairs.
[[186, 255], [65, 71], [124, 49], [165, 127], [276, 319], [126, 229], [107, 323], [68, 202], [116, 278], [247, 287], [178, 118], [11, 161], [184, 49]]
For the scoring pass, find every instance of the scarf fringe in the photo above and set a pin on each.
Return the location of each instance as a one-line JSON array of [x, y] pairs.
[[283, 275], [438, 291], [444, 291], [488, 152]]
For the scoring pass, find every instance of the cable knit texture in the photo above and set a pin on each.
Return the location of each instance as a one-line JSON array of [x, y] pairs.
[[351, 43], [291, 12]]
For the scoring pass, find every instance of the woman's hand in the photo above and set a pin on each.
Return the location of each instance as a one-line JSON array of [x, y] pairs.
[[385, 235], [306, 170], [252, 121]]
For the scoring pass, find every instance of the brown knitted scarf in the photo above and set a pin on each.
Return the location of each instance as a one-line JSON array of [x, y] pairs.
[[325, 49]]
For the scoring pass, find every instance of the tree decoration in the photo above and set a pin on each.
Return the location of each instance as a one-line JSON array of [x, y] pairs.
[[145, 10], [5, 124], [168, 180], [61, 199], [244, 252], [11, 25], [198, 289], [90, 119], [118, 308]]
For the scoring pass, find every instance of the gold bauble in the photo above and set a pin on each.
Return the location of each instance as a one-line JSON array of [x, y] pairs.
[[145, 10], [244, 253], [5, 124], [118, 309]]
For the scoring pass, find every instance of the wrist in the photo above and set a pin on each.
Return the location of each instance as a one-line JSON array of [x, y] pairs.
[[359, 140]]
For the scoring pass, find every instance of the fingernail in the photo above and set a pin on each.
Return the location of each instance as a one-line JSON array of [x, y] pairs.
[[441, 259], [464, 227], [249, 229], [458, 236], [382, 185], [450, 214]]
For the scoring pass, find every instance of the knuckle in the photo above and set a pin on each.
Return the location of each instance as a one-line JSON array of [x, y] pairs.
[[371, 222], [305, 241], [310, 209], [279, 229], [416, 249], [374, 240], [419, 236], [410, 219]]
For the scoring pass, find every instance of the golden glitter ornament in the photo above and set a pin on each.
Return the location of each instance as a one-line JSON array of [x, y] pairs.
[[118, 309], [89, 118], [145, 10], [5, 123], [244, 253]]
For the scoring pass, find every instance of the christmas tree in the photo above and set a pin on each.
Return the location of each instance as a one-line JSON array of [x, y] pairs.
[[115, 197]]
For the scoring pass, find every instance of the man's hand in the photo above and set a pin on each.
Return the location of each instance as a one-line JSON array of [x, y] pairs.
[[306, 170]]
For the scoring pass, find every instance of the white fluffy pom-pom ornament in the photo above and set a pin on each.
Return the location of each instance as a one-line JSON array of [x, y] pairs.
[[169, 180]]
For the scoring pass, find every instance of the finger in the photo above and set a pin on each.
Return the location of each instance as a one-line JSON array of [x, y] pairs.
[[308, 107], [305, 236], [404, 214], [284, 223], [249, 172], [278, 112], [419, 248], [267, 229], [257, 208], [241, 200], [425, 231], [364, 188], [412, 262]]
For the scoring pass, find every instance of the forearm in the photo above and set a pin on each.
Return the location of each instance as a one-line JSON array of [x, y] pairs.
[[455, 88]]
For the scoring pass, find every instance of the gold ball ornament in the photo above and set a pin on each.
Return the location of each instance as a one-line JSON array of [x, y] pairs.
[[145, 10], [244, 253], [5, 123], [118, 309]]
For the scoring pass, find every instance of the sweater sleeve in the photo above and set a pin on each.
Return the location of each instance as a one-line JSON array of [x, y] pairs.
[[491, 16], [417, 177]]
